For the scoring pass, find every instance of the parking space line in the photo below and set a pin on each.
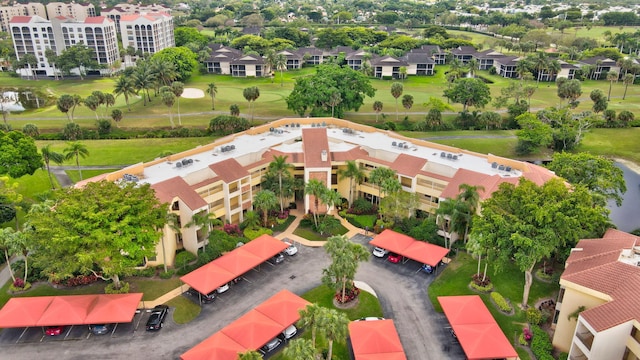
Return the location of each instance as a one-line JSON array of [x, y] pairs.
[[21, 335]]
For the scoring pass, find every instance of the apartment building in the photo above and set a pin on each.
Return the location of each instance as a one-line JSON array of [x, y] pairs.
[[222, 178], [34, 35], [597, 314], [116, 12], [148, 33], [73, 10], [29, 9]]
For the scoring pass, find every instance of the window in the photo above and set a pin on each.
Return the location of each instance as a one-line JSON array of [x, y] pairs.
[[175, 205]]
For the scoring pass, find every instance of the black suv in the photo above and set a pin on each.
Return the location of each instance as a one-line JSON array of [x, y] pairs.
[[157, 317], [205, 299]]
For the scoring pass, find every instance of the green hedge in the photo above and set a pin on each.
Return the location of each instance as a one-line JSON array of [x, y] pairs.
[[540, 344], [502, 303], [255, 233]]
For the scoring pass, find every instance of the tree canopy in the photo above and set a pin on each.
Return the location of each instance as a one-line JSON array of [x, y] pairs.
[[469, 92], [345, 258], [105, 228], [185, 60], [311, 92], [18, 155]]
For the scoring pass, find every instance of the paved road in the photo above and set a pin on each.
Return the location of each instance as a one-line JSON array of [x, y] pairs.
[[401, 290]]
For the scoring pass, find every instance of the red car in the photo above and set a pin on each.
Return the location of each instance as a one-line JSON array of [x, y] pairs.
[[54, 330], [394, 258]]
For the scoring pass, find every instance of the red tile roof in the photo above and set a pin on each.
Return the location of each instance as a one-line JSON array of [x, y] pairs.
[[167, 190], [594, 264], [229, 170], [96, 20], [20, 19], [408, 165], [314, 141]]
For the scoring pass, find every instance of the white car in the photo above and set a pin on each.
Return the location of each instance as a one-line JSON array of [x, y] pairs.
[[289, 332], [291, 249], [379, 252], [222, 288]]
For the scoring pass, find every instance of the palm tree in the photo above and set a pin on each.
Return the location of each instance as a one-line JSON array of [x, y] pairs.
[[92, 103], [204, 220], [470, 195], [251, 220], [300, 349], [310, 319], [144, 79], [315, 188], [554, 68], [377, 107], [125, 86], [234, 110], [334, 100], [407, 102], [116, 115], [265, 201], [540, 62], [77, 150], [449, 216], [473, 66], [177, 88], [354, 174], [280, 63], [280, 168], [270, 61], [64, 104], [250, 355], [212, 90], [48, 156], [77, 101], [251, 94], [627, 80], [109, 100], [396, 91], [52, 58], [168, 99], [611, 77], [164, 72], [378, 176], [522, 66], [19, 244], [334, 326]]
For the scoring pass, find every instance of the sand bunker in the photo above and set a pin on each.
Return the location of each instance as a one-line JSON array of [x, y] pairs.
[[192, 93]]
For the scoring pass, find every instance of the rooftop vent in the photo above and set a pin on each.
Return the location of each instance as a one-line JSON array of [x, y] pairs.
[[129, 177], [494, 165], [324, 155]]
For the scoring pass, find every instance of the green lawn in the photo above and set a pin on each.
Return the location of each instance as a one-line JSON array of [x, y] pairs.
[[44, 289], [153, 288], [74, 175], [308, 233], [455, 279], [186, 310]]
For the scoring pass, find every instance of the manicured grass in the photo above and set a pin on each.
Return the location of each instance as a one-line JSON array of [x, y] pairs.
[[362, 221], [282, 227], [86, 174], [308, 233], [44, 289], [153, 288], [455, 279], [186, 310], [31, 185], [621, 143]]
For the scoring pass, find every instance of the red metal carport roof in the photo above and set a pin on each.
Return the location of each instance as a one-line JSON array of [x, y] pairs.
[[475, 328], [233, 264], [67, 310], [113, 308], [376, 339], [217, 347], [23, 312], [409, 247], [252, 330], [283, 308]]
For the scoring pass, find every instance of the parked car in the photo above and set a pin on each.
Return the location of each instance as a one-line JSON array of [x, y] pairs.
[[370, 318], [99, 329], [271, 345], [394, 258], [291, 249], [157, 317], [205, 299], [289, 332], [427, 268], [54, 330], [222, 288], [277, 259], [379, 252]]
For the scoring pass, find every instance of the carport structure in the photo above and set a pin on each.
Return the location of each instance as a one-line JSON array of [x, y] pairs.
[[475, 328], [233, 264], [251, 330], [409, 247], [375, 340], [69, 310]]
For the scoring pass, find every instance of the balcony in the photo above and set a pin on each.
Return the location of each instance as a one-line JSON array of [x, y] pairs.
[[586, 338]]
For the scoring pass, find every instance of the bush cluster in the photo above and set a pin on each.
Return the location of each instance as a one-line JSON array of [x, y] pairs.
[[255, 233], [485, 289], [502, 303], [124, 288], [184, 257], [540, 344], [349, 295], [146, 272], [78, 280], [167, 275], [534, 316]]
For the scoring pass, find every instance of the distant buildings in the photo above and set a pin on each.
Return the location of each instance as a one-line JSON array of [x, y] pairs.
[[30, 9], [120, 10], [73, 10], [147, 33]]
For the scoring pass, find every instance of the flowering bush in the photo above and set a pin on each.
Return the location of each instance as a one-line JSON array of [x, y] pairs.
[[78, 280], [350, 295], [18, 284], [526, 333], [232, 229]]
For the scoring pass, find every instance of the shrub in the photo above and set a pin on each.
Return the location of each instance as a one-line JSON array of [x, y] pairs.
[[146, 272], [232, 229], [104, 126], [124, 288], [184, 257], [534, 316], [362, 206], [19, 285], [502, 303], [481, 288], [540, 344], [187, 269], [167, 275], [78, 280], [254, 233], [522, 341]]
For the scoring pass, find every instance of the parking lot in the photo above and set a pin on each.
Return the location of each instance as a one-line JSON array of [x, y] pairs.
[[402, 292]]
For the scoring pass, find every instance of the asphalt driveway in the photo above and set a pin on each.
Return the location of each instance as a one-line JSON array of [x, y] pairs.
[[402, 292]]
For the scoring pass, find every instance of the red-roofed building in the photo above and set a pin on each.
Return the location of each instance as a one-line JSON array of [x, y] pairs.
[[78, 11], [147, 32], [602, 277], [226, 175], [16, 9]]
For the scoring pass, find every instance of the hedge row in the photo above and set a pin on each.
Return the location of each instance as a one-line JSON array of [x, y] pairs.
[[540, 344]]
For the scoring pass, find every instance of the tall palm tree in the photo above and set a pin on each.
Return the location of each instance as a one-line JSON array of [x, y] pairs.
[[125, 86], [212, 90], [470, 195], [164, 72], [315, 188], [251, 94], [334, 326], [204, 220], [52, 59], [611, 77], [300, 349], [540, 62], [522, 66], [473, 66], [48, 155], [168, 99], [379, 176], [144, 79], [355, 175], [310, 319], [450, 217], [250, 355], [554, 68], [280, 63], [334, 100], [407, 102], [280, 168], [627, 80], [177, 88], [265, 201], [234, 110], [77, 150], [377, 107], [396, 91]]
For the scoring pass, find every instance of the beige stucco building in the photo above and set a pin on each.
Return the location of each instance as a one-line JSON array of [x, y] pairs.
[[602, 278]]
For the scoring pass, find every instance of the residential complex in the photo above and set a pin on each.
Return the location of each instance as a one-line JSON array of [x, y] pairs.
[[30, 9], [597, 314], [222, 178], [51, 10], [148, 33], [70, 10], [115, 13]]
